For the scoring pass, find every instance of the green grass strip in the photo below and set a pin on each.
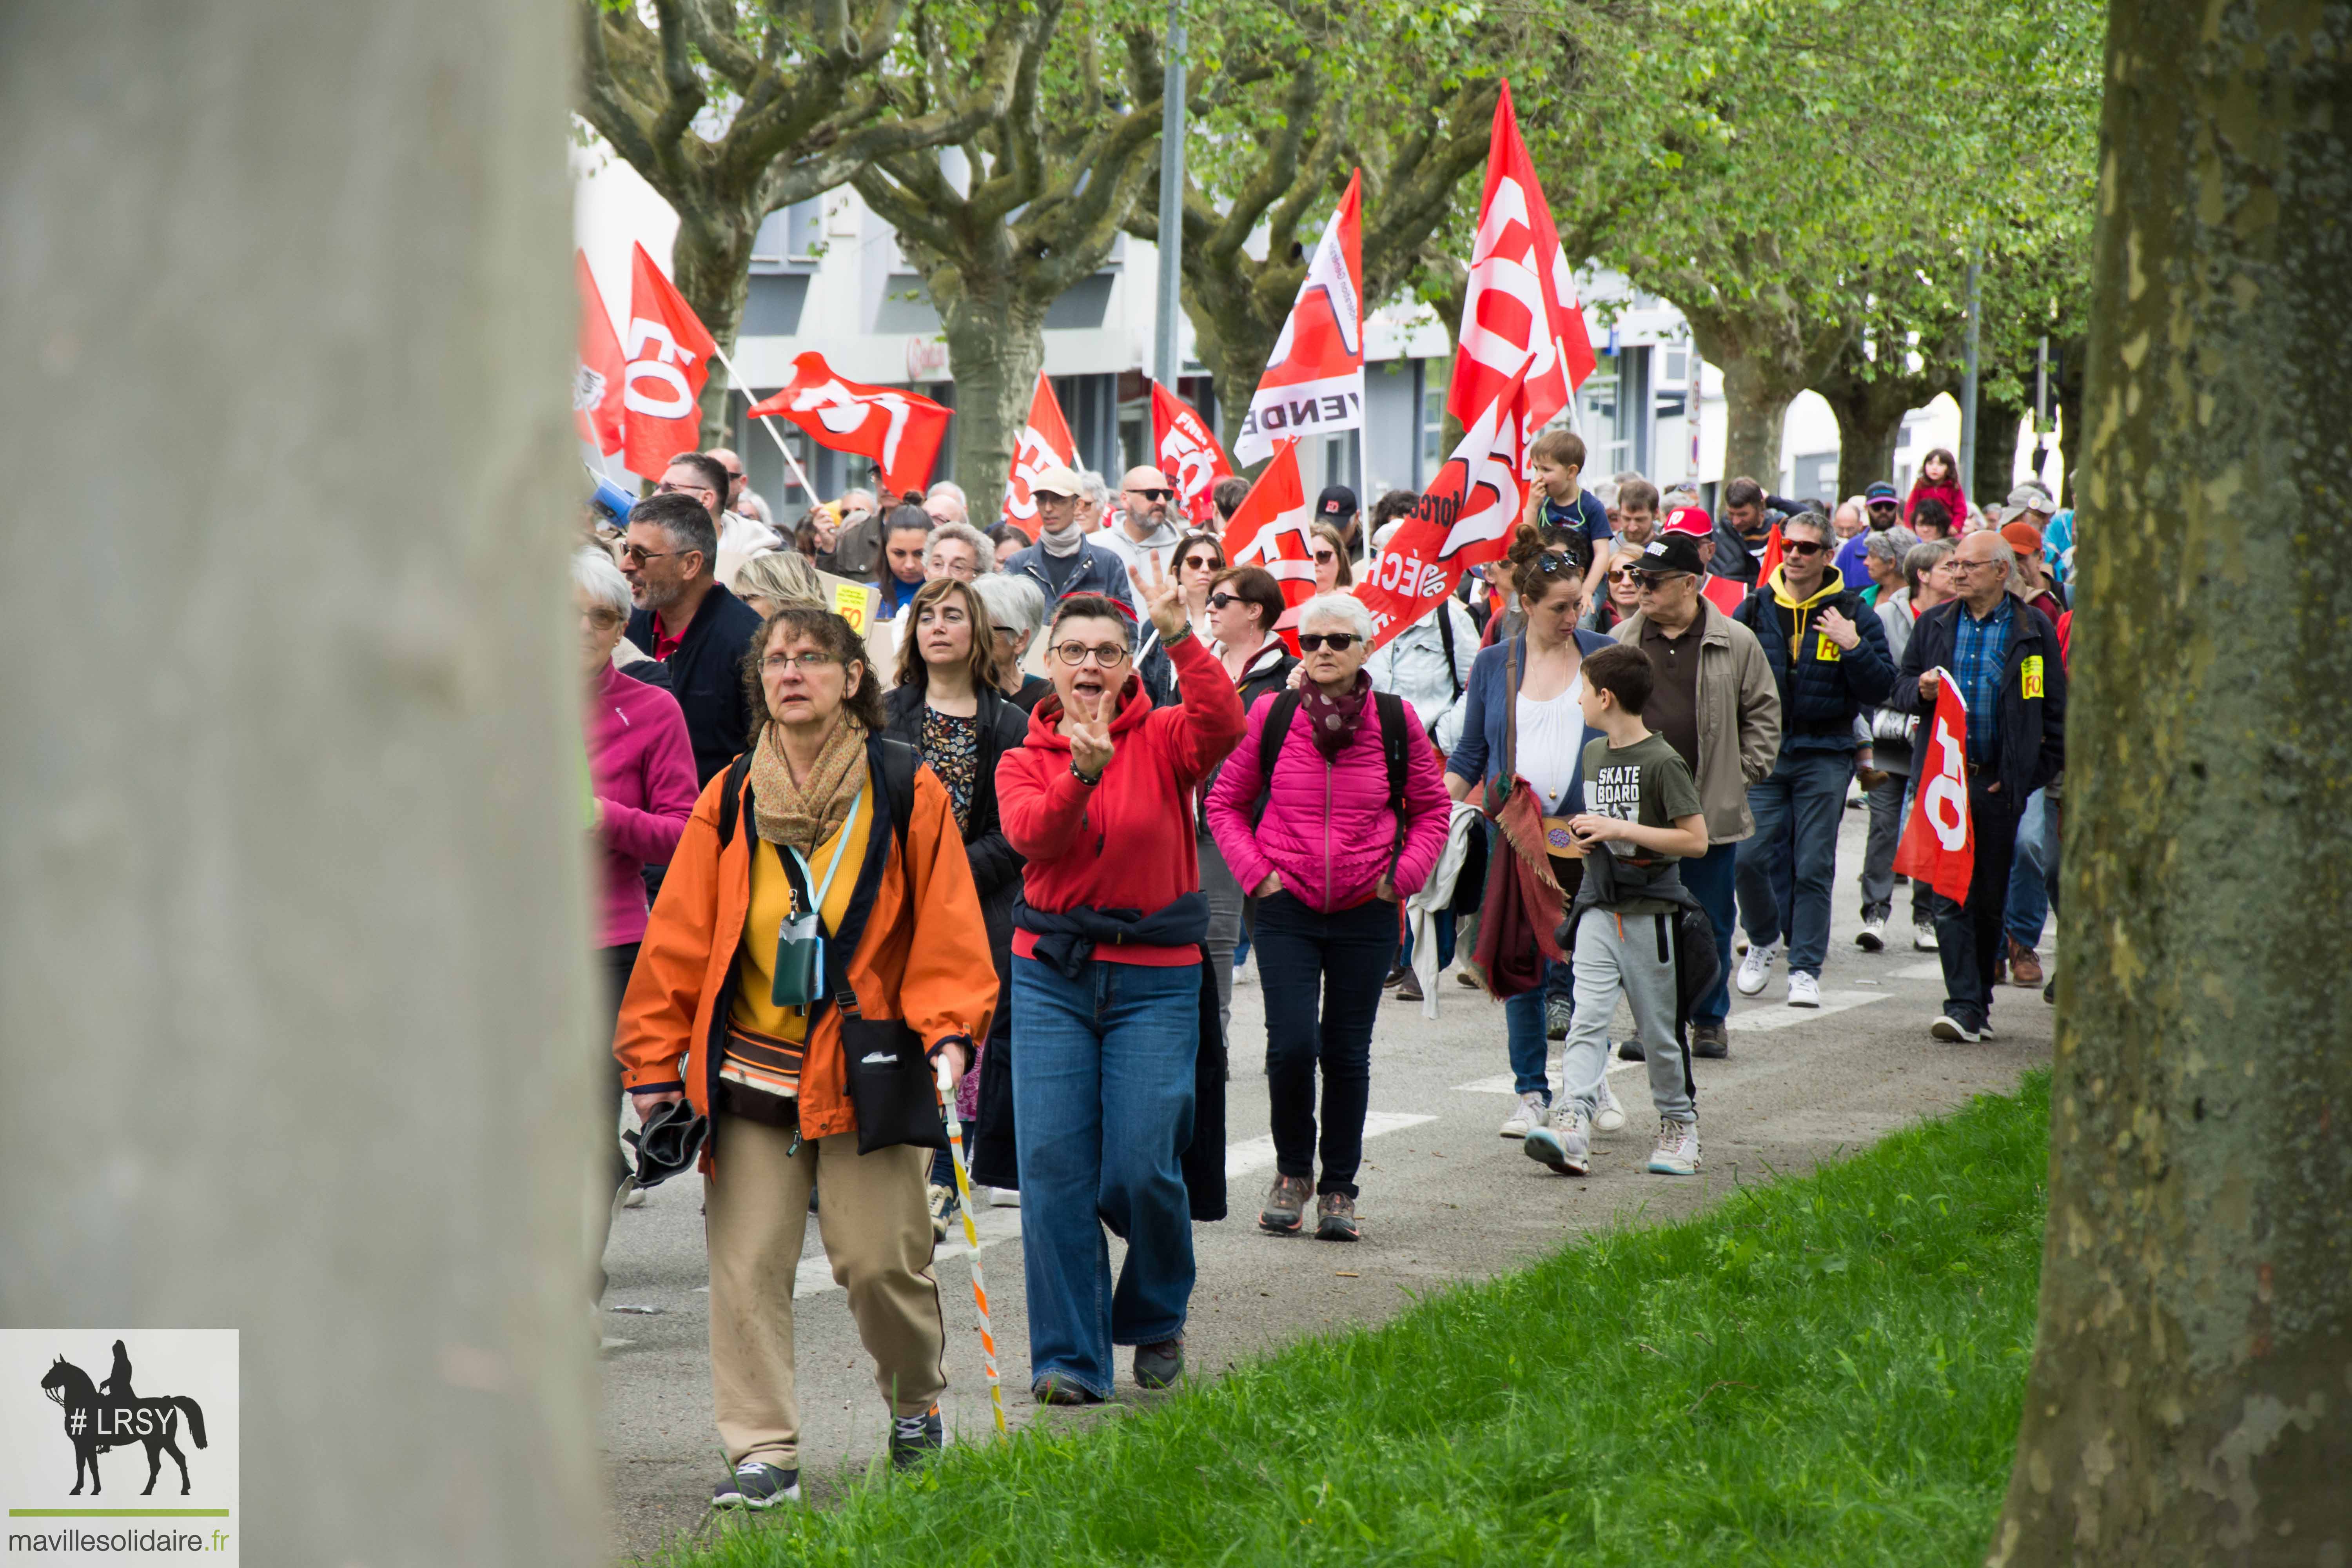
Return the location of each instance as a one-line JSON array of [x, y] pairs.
[[1817, 1371]]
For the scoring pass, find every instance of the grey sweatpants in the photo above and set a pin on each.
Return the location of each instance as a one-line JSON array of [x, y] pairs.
[[1225, 896], [1634, 954], [1878, 853]]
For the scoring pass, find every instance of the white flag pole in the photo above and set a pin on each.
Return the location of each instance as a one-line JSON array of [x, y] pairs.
[[799, 475]]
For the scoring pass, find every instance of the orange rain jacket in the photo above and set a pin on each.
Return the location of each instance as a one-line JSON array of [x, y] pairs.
[[921, 952]]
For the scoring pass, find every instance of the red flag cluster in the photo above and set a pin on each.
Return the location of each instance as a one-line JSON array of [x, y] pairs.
[[1188, 454], [1521, 354], [1044, 442], [898, 429], [1269, 529], [1314, 384]]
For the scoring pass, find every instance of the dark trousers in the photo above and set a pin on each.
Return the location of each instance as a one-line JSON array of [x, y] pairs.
[[1968, 935], [613, 967], [1338, 958], [1711, 880]]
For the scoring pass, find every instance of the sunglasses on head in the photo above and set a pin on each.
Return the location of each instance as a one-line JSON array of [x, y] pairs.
[[1338, 642]]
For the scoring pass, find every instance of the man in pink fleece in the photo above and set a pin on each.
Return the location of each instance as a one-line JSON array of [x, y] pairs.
[[1327, 862]]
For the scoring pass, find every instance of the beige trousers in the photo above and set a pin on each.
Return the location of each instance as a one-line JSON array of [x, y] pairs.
[[878, 1236]]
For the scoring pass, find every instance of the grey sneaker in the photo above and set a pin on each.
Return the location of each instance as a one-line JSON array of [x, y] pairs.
[[1676, 1152], [1565, 1143], [757, 1485], [1526, 1116], [1335, 1217], [915, 1439], [1559, 1012], [1285, 1204], [1159, 1366]]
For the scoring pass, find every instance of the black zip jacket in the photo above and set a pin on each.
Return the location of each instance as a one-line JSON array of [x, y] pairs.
[[2030, 718], [706, 676]]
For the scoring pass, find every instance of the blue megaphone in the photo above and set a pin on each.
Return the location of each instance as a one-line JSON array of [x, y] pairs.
[[612, 500]]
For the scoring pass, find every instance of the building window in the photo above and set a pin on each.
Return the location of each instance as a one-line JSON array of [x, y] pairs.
[[1432, 416]]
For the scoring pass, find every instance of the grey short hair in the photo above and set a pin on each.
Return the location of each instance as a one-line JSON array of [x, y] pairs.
[[949, 488], [595, 574], [1924, 557], [1015, 604], [1093, 488], [982, 550], [1894, 544], [1812, 517], [1344, 607]]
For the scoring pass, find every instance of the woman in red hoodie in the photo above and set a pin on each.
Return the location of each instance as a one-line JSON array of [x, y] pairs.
[[1328, 860], [1107, 984], [1939, 478]]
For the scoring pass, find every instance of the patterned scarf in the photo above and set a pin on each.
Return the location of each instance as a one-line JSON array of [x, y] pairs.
[[804, 815], [1333, 721]]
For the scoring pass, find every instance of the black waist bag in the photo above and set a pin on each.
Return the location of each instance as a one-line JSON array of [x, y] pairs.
[[891, 1084]]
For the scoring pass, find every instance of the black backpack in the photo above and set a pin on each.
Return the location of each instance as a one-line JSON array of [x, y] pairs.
[[1396, 734]]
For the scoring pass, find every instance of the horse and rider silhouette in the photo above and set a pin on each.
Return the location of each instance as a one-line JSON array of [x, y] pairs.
[[112, 1417]]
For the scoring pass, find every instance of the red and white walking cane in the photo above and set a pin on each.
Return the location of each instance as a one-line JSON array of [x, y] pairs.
[[971, 1240]]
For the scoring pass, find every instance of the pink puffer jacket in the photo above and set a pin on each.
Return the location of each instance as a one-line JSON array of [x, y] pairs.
[[1328, 829]]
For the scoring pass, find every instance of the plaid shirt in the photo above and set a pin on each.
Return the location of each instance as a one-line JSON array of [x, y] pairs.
[[1979, 654]]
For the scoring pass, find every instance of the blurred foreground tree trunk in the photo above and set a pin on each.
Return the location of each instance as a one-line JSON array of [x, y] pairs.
[[2190, 1398], [293, 978]]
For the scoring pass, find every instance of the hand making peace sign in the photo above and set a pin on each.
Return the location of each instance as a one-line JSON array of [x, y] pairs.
[[1164, 599]]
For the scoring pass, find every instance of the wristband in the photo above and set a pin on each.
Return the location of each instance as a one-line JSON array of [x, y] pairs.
[[1082, 778]]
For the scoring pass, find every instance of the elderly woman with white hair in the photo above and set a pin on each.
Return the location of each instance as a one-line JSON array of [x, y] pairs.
[[1016, 612], [960, 550], [1354, 820], [641, 791]]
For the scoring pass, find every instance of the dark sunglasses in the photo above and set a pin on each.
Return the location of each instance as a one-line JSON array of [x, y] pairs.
[[1553, 563], [1212, 563], [1648, 579], [1153, 495], [1800, 547], [1338, 642], [1219, 600], [1324, 558]]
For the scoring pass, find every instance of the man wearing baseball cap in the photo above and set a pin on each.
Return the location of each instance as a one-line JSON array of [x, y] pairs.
[[1882, 509], [1063, 560], [1336, 506], [1715, 702]]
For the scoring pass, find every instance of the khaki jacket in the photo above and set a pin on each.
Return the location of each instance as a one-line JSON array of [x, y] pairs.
[[1738, 718]]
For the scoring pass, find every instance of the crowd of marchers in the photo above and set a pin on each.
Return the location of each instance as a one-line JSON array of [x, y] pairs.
[[885, 793]]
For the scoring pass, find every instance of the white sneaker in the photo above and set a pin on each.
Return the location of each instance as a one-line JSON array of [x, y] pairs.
[[636, 1200], [1922, 936], [1804, 990], [1872, 937], [1526, 1116], [994, 1197], [1566, 1145], [1608, 1115], [1677, 1154], [1756, 968]]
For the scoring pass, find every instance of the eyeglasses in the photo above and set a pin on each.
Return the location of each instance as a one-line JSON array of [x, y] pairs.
[[1800, 547], [1108, 656], [1956, 565], [1338, 642], [1153, 495], [807, 663], [640, 555], [602, 616], [668, 489]]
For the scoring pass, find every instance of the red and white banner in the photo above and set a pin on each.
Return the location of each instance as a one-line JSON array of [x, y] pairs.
[[900, 430], [597, 370], [1044, 442], [1314, 385], [1269, 529], [667, 356], [1520, 354], [1939, 844], [1187, 453]]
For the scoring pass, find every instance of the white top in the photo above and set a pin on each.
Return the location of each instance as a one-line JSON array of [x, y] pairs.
[[1551, 744]]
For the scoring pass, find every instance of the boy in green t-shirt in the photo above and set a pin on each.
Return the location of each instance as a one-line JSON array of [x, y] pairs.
[[1642, 815]]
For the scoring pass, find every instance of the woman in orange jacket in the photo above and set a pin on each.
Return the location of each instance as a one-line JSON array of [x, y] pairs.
[[816, 948]]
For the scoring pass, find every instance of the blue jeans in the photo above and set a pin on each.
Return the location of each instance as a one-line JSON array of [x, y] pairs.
[[2028, 874], [1102, 1108], [1797, 811], [1710, 879]]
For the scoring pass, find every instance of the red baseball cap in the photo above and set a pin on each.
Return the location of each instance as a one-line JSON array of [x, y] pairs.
[[1691, 520]]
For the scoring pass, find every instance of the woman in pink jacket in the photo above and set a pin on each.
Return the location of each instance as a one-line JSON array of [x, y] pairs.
[[1327, 862]]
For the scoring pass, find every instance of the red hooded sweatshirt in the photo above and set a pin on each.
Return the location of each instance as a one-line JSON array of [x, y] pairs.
[[1127, 842]]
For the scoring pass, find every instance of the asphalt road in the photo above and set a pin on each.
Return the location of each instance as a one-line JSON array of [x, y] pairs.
[[1443, 1198]]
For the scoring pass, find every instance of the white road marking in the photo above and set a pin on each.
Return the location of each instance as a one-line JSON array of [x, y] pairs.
[[1768, 1018], [1931, 970], [1509, 1084]]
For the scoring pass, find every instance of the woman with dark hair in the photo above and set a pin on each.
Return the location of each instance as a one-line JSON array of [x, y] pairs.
[[906, 545], [1939, 481], [1199, 559], [1523, 736], [1007, 541], [947, 705], [812, 1051], [1117, 1087]]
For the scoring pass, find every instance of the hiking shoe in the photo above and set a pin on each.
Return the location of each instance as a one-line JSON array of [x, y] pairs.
[[1160, 1366], [1284, 1204], [1631, 1051], [1530, 1114], [1712, 1040], [1951, 1031], [757, 1485], [1060, 1388], [1559, 1012], [1804, 990], [1388, 981], [944, 1209], [1565, 1143], [1608, 1115], [2025, 966], [1755, 968], [1922, 936], [1408, 988], [1335, 1217], [915, 1439], [1872, 937], [1676, 1152]]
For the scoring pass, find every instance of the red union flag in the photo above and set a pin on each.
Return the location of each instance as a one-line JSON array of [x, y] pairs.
[[1939, 844], [1520, 354], [1189, 455], [1314, 385], [596, 374], [1044, 442], [668, 359], [1269, 529], [900, 430]]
